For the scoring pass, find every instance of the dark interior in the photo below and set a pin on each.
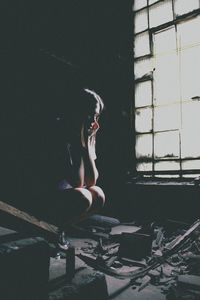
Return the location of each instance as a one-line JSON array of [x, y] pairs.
[[49, 49]]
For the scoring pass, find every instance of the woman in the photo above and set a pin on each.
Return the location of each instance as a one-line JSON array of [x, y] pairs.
[[77, 194]]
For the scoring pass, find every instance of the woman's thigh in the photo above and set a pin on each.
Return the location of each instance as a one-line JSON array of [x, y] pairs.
[[69, 203], [98, 197]]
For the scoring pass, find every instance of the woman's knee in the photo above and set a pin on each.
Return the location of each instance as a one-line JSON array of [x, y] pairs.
[[85, 197], [97, 195]]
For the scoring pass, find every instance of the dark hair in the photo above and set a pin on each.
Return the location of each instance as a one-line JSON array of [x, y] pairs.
[[88, 98], [73, 113], [96, 97]]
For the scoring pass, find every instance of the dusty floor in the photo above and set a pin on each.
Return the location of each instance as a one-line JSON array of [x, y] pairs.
[[142, 288], [118, 289]]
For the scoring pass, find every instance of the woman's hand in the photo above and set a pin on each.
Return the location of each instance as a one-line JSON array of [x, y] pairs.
[[88, 133], [93, 129]]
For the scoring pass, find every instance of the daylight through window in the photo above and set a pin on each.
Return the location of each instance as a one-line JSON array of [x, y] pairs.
[[167, 87]]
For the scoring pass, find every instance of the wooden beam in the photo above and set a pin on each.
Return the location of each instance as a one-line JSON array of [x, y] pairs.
[[21, 221]]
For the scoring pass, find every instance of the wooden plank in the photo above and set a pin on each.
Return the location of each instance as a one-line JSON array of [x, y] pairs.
[[14, 218]]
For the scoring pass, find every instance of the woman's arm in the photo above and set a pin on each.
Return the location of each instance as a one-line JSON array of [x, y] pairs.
[[74, 166], [90, 171]]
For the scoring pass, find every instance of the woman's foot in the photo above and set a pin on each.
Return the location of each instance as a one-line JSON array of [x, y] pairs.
[[63, 242]]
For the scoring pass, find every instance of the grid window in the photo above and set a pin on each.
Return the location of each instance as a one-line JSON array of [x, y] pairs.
[[167, 89]]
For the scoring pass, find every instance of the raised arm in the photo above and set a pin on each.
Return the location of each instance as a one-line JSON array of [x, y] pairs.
[[90, 171]]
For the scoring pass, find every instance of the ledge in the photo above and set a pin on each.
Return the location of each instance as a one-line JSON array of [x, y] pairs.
[[155, 182]]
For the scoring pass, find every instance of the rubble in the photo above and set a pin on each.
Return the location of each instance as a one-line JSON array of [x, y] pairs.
[[153, 255]]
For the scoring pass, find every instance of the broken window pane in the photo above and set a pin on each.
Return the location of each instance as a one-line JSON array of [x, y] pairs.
[[167, 166], [166, 83], [165, 41], [144, 166], [142, 67], [190, 141], [144, 146], [143, 94], [141, 21], [160, 13], [142, 44], [166, 145], [143, 119], [191, 165], [139, 4], [167, 117], [184, 6]]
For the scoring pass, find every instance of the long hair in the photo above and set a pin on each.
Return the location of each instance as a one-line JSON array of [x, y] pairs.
[[89, 97], [72, 114]]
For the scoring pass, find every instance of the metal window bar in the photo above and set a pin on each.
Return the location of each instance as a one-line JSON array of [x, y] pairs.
[[180, 160], [149, 5], [169, 172]]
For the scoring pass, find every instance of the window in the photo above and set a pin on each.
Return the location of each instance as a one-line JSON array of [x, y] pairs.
[[167, 87]]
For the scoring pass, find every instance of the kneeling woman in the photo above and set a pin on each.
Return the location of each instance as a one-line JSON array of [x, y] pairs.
[[78, 196]]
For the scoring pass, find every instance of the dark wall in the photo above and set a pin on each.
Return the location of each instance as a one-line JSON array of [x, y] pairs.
[[49, 48]]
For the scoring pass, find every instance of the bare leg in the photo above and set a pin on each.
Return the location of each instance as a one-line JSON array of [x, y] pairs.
[[83, 203], [98, 198]]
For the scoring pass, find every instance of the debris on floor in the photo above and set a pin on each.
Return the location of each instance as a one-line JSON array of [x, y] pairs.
[[163, 255]]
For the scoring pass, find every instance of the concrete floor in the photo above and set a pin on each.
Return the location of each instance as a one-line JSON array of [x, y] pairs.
[[116, 287]]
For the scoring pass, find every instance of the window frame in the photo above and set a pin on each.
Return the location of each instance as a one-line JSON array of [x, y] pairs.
[[170, 173]]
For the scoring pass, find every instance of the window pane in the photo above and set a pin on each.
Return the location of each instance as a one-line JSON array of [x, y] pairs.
[[160, 13], [184, 6], [144, 145], [166, 145], [167, 166], [191, 116], [191, 165], [142, 44], [167, 117], [142, 67], [139, 4], [165, 41], [188, 32], [190, 144], [141, 21], [144, 167], [166, 83], [143, 119], [143, 94], [190, 141], [190, 69], [189, 43]]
